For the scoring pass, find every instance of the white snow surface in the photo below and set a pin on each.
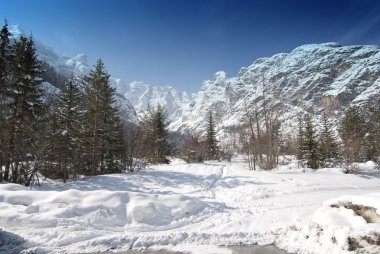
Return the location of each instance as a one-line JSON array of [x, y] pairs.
[[190, 207]]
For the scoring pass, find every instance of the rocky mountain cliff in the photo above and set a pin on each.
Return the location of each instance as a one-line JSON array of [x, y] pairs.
[[320, 77]]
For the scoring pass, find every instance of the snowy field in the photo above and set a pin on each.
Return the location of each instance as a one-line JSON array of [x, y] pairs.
[[195, 208]]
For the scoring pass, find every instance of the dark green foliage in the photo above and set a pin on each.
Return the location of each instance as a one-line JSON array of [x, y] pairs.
[[311, 145], [153, 145], [4, 85], [24, 109], [308, 145], [328, 141], [372, 139], [352, 132], [62, 147], [213, 151], [300, 140], [102, 134], [81, 136]]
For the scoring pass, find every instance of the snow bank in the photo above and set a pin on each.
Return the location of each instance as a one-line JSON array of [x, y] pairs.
[[342, 224], [100, 208]]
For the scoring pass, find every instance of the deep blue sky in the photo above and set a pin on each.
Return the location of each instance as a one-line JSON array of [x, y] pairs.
[[183, 42]]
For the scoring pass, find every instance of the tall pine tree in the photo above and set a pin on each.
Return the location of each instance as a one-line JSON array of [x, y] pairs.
[[26, 108], [4, 85], [62, 146], [102, 127]]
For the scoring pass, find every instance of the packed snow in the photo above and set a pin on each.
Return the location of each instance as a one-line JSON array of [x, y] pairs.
[[196, 207]]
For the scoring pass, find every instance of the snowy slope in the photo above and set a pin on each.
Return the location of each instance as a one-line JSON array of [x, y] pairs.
[[187, 206], [319, 77], [64, 65]]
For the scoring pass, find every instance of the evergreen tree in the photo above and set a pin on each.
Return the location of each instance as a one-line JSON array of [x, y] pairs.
[[63, 145], [4, 78], [328, 141], [153, 144], [372, 139], [300, 139], [102, 128], [310, 144], [211, 141], [352, 132], [26, 107]]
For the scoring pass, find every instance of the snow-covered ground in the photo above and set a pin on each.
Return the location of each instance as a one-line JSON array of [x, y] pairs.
[[195, 207]]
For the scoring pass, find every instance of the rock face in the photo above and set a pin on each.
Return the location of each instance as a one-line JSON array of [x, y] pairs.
[[320, 77]]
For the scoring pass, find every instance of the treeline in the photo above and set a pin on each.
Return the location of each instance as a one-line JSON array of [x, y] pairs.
[[358, 138], [317, 144], [81, 133]]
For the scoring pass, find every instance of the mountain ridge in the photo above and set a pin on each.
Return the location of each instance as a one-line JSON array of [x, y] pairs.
[[325, 77], [316, 78]]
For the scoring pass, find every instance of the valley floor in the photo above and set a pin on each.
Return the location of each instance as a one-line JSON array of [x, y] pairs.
[[195, 208]]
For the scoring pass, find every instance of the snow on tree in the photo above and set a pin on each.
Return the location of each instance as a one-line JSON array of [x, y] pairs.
[[62, 146], [102, 131], [25, 109]]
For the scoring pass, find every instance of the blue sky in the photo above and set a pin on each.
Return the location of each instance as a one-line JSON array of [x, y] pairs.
[[183, 42]]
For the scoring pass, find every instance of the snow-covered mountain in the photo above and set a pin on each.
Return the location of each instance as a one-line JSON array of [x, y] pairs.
[[319, 77], [64, 65], [177, 104], [71, 67]]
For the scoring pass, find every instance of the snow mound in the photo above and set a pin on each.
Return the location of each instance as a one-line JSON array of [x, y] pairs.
[[343, 224], [99, 208]]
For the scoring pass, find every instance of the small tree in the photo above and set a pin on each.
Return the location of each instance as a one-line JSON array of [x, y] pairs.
[[310, 144], [193, 149], [153, 145], [301, 139], [328, 141], [213, 151]]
